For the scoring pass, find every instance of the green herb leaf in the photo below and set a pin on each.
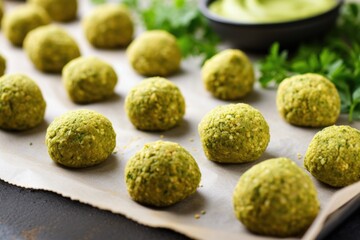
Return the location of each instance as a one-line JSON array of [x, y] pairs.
[[356, 95], [274, 67]]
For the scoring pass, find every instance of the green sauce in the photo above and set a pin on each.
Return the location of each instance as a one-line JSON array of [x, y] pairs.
[[269, 11]]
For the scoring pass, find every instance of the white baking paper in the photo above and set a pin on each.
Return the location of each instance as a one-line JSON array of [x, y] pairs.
[[24, 160]]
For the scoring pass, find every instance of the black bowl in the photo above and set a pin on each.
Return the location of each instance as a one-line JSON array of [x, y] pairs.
[[259, 37]]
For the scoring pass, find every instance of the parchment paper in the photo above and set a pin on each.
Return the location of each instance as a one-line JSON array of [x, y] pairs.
[[24, 160]]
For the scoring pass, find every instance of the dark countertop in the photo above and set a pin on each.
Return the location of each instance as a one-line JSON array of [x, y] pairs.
[[35, 215]]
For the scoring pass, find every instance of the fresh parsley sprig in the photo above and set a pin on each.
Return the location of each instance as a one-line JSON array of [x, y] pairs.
[[336, 57]]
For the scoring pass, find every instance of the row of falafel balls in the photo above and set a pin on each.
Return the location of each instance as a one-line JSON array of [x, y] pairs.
[[274, 197]]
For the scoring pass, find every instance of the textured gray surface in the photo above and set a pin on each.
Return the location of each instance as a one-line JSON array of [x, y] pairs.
[[36, 215]]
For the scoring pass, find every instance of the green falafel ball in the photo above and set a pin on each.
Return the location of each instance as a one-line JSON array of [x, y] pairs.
[[50, 48], [309, 100], [1, 10], [276, 198], [234, 133], [155, 53], [333, 156], [59, 10], [17, 23], [22, 105], [89, 79], [155, 104], [161, 174], [109, 26], [80, 138], [2, 65], [229, 75]]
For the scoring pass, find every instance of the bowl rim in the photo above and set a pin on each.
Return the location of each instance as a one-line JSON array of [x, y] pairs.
[[204, 9]]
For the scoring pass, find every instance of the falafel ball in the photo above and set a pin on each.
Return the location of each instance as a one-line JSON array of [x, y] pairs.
[[229, 75], [234, 133], [50, 48], [109, 26], [59, 10], [89, 79], [161, 174], [2, 65], [276, 198], [80, 138], [17, 23], [308, 100], [155, 53], [22, 105], [1, 10], [155, 104], [333, 156]]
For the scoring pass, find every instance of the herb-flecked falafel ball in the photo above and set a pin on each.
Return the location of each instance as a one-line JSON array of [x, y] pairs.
[[161, 174], [333, 156], [50, 48], [155, 53], [17, 23], [2, 65], [234, 133], [59, 10], [276, 198], [229, 75], [80, 138], [22, 105], [89, 79], [109, 26], [155, 104], [308, 100], [1, 10]]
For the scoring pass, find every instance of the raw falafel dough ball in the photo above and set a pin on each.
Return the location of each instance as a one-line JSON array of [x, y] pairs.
[[59, 10], [333, 156], [155, 53], [89, 79], [2, 65], [22, 105], [109, 26], [234, 133], [161, 174], [229, 75], [155, 104], [50, 48], [276, 198], [17, 23], [309, 100], [80, 138]]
